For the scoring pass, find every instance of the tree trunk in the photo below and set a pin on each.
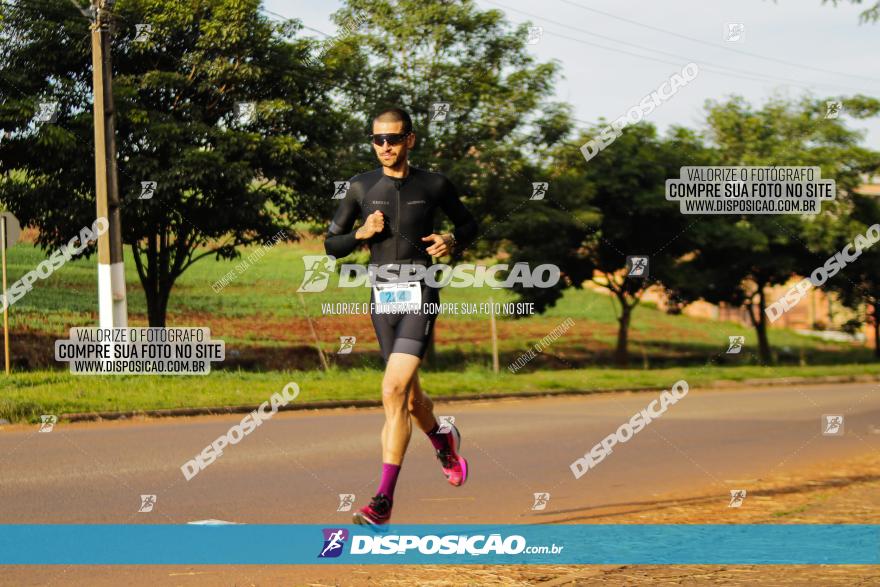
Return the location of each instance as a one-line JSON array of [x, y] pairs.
[[157, 305], [877, 329], [621, 353], [156, 281], [763, 341], [760, 324]]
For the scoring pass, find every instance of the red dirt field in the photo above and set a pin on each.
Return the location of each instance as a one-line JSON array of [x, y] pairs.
[[272, 342]]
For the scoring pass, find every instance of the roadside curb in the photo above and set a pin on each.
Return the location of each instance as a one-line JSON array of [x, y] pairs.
[[335, 404]]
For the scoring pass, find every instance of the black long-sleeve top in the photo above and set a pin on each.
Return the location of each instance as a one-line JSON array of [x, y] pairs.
[[408, 206]]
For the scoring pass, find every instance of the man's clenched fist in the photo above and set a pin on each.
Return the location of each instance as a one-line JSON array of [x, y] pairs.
[[374, 224]]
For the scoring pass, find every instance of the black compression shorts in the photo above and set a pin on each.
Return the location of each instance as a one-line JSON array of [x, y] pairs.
[[407, 333]]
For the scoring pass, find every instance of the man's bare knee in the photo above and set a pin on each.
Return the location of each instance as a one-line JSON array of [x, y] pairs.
[[394, 389]]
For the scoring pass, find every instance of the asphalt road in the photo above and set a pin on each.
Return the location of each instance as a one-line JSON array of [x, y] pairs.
[[293, 468]]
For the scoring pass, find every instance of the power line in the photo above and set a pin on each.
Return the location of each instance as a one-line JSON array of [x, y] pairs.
[[651, 49], [281, 16], [709, 69], [716, 46]]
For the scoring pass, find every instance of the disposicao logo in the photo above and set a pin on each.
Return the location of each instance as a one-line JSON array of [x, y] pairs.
[[432, 544], [334, 541]]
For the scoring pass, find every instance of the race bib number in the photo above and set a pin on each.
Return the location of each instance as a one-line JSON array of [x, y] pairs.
[[397, 298]]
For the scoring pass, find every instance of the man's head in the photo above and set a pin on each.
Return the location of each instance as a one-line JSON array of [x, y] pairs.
[[393, 126]]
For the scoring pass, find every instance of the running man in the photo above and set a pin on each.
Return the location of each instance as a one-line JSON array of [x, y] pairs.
[[396, 205]]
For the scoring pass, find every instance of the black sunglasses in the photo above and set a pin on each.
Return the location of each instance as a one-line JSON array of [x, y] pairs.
[[391, 138]]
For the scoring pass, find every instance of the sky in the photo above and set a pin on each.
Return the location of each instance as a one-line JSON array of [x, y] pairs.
[[610, 61]]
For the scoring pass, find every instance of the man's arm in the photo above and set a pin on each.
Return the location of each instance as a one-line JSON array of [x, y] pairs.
[[465, 224], [341, 239]]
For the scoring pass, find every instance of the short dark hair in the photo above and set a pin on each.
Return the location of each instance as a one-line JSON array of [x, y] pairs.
[[395, 115]]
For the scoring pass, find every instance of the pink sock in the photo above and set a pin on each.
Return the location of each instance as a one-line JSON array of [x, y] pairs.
[[440, 441], [389, 480]]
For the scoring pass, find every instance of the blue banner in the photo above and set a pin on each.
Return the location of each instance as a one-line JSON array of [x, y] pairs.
[[168, 544]]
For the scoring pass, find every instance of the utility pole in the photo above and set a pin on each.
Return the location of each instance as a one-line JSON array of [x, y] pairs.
[[112, 305]]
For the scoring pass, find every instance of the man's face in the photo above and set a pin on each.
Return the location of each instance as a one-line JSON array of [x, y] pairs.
[[392, 155]]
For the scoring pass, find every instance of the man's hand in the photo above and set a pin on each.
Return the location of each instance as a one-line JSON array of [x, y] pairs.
[[442, 244], [374, 224]]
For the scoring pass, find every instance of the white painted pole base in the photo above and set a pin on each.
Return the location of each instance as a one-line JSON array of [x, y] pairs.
[[112, 303]]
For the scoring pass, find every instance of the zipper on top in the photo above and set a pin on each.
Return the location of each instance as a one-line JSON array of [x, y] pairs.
[[397, 223]]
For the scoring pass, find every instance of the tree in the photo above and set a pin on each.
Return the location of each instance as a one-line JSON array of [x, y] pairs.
[[738, 257], [870, 14], [222, 181], [734, 262], [598, 213], [417, 54], [857, 285]]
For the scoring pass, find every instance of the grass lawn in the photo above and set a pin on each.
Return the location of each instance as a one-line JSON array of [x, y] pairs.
[[32, 394], [261, 310], [268, 342]]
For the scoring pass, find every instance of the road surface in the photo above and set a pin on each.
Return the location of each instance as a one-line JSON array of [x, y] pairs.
[[293, 468]]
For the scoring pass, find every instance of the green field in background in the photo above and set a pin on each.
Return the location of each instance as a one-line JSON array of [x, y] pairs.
[[267, 290], [33, 394]]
